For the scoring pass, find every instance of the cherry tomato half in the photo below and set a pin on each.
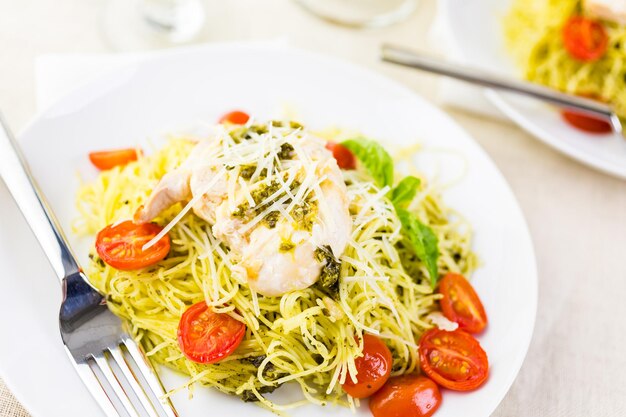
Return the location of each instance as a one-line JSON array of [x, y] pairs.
[[374, 368], [586, 123], [454, 360], [205, 336], [345, 158], [461, 304], [109, 159], [406, 396], [235, 117], [120, 245], [585, 39]]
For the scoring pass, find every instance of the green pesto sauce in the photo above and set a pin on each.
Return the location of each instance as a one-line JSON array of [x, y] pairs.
[[241, 133], [305, 215], [331, 267], [271, 219], [244, 211], [248, 396], [293, 125], [286, 151], [264, 191], [269, 373], [247, 171], [286, 246]]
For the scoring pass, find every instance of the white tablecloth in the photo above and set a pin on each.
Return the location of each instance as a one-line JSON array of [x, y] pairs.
[[576, 362]]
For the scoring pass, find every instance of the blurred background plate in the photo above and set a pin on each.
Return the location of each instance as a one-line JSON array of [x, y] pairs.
[[476, 34], [138, 103]]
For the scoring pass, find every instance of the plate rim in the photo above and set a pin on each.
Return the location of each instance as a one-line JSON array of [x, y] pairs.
[[23, 396]]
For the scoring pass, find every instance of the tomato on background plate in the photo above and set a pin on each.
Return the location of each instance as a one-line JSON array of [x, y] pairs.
[[236, 117], [120, 245], [586, 123], [374, 368], [454, 360], [461, 304], [585, 39], [109, 159], [345, 158], [406, 396], [205, 336]]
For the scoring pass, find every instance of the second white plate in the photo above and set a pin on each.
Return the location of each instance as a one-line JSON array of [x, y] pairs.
[[476, 33]]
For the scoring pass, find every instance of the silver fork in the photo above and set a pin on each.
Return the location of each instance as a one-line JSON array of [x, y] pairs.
[[408, 58], [111, 365]]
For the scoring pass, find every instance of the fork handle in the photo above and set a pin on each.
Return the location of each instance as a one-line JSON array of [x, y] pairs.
[[16, 174], [408, 58]]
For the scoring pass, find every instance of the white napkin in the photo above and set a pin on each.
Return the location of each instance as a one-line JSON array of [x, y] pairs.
[[454, 93], [58, 74]]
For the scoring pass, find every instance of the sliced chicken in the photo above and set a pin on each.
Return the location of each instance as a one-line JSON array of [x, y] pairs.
[[173, 187], [272, 272], [275, 272], [176, 186], [279, 256], [611, 10]]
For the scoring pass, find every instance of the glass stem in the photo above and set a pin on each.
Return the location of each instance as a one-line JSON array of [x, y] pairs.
[[162, 15]]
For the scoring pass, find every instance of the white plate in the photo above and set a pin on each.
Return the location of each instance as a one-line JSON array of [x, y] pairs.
[[475, 29], [128, 105]]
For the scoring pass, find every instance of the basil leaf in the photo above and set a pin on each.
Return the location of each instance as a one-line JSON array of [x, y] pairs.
[[423, 241], [403, 193], [375, 159], [380, 166]]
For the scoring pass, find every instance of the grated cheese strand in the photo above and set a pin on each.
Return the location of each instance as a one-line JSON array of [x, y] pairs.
[[184, 211]]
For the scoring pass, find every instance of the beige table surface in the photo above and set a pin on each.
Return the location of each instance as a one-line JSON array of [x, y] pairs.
[[576, 365]]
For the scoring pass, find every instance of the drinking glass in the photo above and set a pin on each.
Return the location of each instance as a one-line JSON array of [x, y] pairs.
[[360, 13], [130, 25]]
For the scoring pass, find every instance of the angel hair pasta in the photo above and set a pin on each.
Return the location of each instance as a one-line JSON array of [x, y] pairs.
[[309, 337]]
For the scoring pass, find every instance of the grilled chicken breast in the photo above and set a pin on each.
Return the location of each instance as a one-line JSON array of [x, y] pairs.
[[273, 194]]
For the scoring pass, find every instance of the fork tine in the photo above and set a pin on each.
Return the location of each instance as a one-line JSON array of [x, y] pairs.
[[118, 357], [106, 370], [149, 374], [97, 390]]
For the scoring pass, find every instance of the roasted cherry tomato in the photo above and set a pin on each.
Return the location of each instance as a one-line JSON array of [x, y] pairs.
[[586, 123], [121, 245], [585, 39], [373, 368], [205, 336], [109, 159], [454, 360], [461, 304], [406, 396], [236, 117], [345, 158]]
